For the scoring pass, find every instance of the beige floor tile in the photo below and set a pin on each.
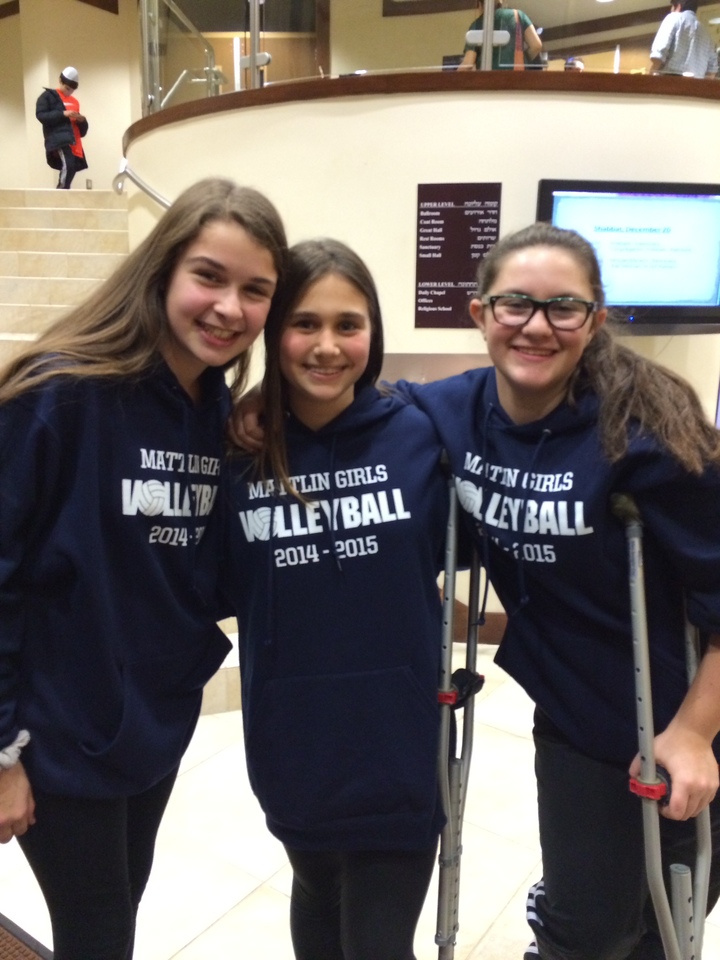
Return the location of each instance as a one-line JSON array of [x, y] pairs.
[[186, 895], [491, 871], [21, 899], [502, 796], [256, 928], [213, 734], [508, 708], [509, 935]]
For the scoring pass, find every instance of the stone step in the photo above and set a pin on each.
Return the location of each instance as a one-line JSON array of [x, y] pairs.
[[82, 199], [34, 264], [63, 218], [10, 346], [46, 290], [67, 241], [23, 318]]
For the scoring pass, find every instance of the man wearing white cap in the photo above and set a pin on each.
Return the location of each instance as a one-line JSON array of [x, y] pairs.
[[63, 127]]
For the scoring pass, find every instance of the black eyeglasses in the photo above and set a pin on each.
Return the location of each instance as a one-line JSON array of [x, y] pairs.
[[563, 313]]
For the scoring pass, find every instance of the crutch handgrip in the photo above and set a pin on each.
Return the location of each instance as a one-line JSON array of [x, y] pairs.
[[625, 508], [465, 684], [659, 790]]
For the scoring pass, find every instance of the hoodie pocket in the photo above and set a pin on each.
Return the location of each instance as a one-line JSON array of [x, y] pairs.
[[161, 701], [337, 748]]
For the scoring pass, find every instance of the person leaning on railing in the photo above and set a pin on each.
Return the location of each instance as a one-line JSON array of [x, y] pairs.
[[682, 45], [503, 58]]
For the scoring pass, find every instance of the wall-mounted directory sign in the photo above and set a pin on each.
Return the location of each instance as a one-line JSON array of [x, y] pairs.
[[457, 223]]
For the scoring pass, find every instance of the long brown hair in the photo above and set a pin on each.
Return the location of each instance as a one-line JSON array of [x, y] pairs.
[[309, 262], [630, 387], [117, 331]]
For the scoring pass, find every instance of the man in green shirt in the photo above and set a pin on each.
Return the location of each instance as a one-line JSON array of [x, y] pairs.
[[503, 58]]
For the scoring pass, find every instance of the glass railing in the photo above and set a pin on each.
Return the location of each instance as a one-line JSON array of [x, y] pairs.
[[274, 41], [178, 61]]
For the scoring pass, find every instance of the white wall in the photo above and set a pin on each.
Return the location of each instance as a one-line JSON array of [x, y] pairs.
[[361, 38], [349, 167], [12, 113]]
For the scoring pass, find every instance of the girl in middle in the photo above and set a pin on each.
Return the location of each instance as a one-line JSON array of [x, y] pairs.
[[337, 541]]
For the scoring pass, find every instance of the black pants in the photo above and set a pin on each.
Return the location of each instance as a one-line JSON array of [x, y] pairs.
[[68, 168], [92, 860], [593, 902], [359, 905]]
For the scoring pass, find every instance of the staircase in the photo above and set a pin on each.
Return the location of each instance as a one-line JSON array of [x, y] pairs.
[[55, 247]]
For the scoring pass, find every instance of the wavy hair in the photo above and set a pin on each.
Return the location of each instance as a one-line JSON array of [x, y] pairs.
[[117, 331], [631, 388]]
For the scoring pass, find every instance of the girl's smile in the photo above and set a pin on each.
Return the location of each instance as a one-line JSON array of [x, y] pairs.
[[217, 300], [324, 349], [535, 361]]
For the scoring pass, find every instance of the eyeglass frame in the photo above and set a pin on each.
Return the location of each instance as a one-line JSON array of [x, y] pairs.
[[488, 300]]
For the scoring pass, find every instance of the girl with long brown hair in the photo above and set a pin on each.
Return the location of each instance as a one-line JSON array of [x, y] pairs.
[[111, 450]]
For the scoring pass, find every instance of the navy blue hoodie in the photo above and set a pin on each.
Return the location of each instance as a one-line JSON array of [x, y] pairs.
[[107, 619], [557, 557], [340, 630]]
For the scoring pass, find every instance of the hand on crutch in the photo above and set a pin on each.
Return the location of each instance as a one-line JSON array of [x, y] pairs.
[[681, 928]]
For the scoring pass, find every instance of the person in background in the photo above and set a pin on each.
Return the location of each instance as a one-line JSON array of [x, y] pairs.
[[335, 546], [682, 45], [574, 64], [112, 439], [63, 127], [523, 36]]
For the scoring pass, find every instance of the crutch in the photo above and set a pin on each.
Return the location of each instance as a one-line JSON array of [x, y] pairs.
[[681, 925], [456, 691]]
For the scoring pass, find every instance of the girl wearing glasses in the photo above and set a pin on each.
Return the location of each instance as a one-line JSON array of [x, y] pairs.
[[539, 442]]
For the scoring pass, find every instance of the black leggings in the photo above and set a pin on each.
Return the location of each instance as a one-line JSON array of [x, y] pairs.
[[594, 904], [359, 905], [92, 859]]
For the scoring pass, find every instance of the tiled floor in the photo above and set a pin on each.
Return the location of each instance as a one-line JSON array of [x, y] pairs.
[[220, 883]]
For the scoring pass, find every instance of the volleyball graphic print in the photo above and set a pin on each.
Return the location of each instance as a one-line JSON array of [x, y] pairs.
[[152, 498]]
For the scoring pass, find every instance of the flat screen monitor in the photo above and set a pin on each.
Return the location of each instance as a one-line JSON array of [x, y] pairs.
[[658, 246]]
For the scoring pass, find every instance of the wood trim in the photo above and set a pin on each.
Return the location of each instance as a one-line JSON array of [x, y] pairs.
[[621, 21], [109, 6], [534, 82], [9, 9], [411, 8], [490, 632]]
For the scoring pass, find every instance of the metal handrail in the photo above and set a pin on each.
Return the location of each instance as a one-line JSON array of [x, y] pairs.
[[126, 172]]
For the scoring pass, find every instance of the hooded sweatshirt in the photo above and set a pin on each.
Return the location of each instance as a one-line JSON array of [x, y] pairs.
[[538, 498], [340, 630], [108, 576]]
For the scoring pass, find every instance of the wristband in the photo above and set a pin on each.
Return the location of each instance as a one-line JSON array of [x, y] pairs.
[[10, 755]]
